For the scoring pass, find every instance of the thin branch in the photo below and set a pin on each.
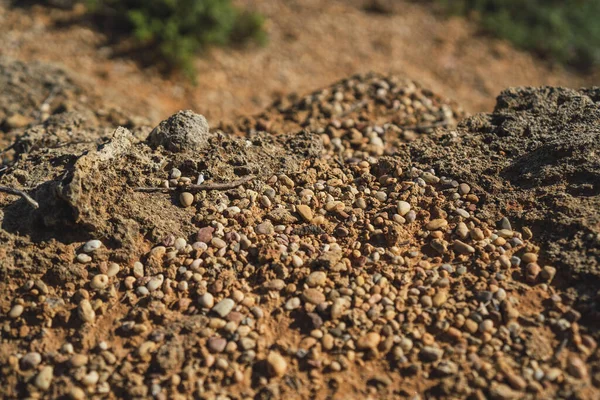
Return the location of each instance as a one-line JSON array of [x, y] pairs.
[[198, 188], [7, 149], [21, 193]]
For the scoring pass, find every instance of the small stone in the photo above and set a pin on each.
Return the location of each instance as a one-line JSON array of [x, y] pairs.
[[297, 261], [486, 326], [44, 378], [113, 270], [276, 285], [77, 393], [83, 258], [305, 212], [430, 354], [265, 228], [155, 283], [206, 300], [175, 173], [292, 304], [548, 273], [505, 224], [138, 269], [317, 278], [85, 311], [436, 224], [462, 247], [463, 188], [369, 341], [218, 243], [224, 307], [529, 258], [216, 344], [78, 360], [276, 364], [576, 367], [440, 298], [91, 378], [186, 199], [30, 360], [205, 234], [461, 230], [403, 208], [313, 296], [180, 244], [16, 311], [92, 246], [99, 282], [338, 307], [532, 270]]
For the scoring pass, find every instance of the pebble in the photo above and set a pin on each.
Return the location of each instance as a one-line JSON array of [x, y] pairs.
[[43, 380], [439, 299], [205, 234], [265, 228], [99, 282], [175, 173], [369, 341], [186, 199], [83, 258], [206, 300], [317, 278], [216, 344], [276, 364], [462, 247], [91, 378], [576, 367], [313, 296], [436, 224], [92, 246], [305, 212], [218, 243], [292, 303], [529, 258], [155, 283], [113, 270], [16, 311], [403, 208], [224, 307], [431, 354], [30, 360], [85, 311]]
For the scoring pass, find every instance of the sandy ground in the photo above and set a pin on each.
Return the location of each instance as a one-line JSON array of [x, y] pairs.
[[312, 43]]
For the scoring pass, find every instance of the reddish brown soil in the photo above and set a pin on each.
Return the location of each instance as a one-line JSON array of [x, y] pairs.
[[312, 43]]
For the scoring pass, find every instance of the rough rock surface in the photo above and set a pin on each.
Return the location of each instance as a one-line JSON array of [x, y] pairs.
[[536, 159]]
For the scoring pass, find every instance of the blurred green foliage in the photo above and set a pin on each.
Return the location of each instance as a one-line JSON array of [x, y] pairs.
[[564, 30], [176, 30]]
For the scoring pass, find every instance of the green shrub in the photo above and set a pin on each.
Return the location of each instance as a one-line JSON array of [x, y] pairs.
[[176, 30], [565, 30]]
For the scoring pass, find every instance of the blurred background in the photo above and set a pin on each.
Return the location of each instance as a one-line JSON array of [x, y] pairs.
[[228, 58]]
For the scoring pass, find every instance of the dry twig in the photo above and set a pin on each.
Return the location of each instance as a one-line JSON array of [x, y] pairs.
[[198, 188], [21, 193]]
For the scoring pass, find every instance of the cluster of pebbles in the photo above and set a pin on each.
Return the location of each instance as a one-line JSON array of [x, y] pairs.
[[360, 277]]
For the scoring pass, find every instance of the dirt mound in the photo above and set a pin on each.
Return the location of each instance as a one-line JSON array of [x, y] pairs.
[[535, 160], [349, 243]]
